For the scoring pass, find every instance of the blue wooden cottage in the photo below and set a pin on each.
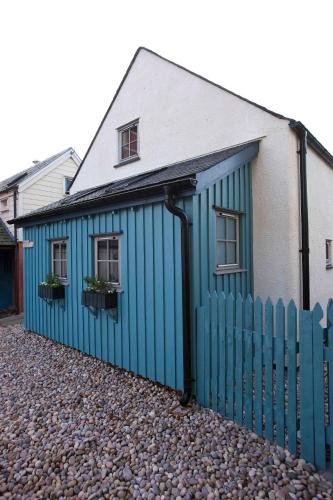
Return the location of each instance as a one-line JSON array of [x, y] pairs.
[[163, 238]]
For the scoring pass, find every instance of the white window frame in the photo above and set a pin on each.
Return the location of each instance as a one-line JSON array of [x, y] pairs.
[[329, 260], [67, 177], [62, 279], [121, 130], [235, 216], [96, 260]]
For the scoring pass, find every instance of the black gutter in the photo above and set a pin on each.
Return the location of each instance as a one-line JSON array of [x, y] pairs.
[[302, 134], [169, 201]]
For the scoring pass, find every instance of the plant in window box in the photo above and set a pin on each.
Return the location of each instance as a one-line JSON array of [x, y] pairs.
[[51, 288], [99, 294]]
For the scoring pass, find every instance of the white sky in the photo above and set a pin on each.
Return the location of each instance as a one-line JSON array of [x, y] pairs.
[[62, 61]]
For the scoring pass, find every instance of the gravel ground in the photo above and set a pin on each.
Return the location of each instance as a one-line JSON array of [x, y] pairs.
[[71, 425]]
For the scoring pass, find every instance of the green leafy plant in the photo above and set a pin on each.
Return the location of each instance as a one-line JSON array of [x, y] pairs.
[[98, 285], [52, 280]]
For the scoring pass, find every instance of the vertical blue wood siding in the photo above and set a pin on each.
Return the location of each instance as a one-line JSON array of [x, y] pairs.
[[146, 338], [232, 192]]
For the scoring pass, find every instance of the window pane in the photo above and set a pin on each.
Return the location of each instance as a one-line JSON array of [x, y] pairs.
[[57, 267], [125, 152], [64, 269], [231, 253], [102, 271], [231, 228], [113, 249], [125, 137], [102, 253], [63, 250], [220, 249], [133, 148], [56, 251], [220, 228], [114, 273], [133, 133]]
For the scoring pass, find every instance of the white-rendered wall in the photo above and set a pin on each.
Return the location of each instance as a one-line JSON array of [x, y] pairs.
[[320, 200], [182, 116]]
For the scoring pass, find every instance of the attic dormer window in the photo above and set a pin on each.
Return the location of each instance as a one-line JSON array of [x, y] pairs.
[[129, 141]]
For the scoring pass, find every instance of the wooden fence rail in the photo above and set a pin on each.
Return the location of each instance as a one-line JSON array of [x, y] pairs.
[[270, 369]]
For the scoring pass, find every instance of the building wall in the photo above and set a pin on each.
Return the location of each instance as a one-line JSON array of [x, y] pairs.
[[9, 213], [146, 337], [320, 200], [182, 116], [233, 192], [48, 188]]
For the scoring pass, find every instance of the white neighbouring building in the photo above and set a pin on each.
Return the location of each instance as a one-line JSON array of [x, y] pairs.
[[45, 181]]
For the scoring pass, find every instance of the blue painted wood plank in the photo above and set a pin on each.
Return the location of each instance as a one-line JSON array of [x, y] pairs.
[[132, 291], [201, 322], [280, 383], [222, 322], [230, 355], [239, 361], [140, 293], [169, 303], [318, 388], [207, 352], [248, 362], [214, 351], [330, 378], [292, 374], [159, 273], [268, 344], [150, 291], [258, 365], [306, 386]]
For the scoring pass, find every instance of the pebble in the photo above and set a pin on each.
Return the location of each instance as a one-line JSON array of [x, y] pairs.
[[74, 426]]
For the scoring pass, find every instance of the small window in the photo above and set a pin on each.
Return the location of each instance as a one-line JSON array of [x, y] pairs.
[[59, 259], [67, 183], [227, 240], [329, 262], [107, 259], [4, 205], [129, 141]]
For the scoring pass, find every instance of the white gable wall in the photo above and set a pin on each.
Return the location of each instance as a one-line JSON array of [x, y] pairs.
[[182, 116], [320, 201]]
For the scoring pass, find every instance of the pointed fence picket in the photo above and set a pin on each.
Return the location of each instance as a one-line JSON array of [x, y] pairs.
[[270, 369]]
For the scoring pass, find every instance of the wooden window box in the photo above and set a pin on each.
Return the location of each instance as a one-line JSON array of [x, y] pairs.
[[99, 300], [51, 292]]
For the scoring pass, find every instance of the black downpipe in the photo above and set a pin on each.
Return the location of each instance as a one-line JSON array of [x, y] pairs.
[[185, 237], [305, 250]]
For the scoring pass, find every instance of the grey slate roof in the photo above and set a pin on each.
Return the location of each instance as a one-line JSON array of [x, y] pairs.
[[25, 174], [165, 175], [6, 237]]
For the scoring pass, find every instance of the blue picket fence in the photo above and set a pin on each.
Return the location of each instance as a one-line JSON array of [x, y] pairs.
[[269, 368]]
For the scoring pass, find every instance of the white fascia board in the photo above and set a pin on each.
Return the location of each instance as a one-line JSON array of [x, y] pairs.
[[25, 184]]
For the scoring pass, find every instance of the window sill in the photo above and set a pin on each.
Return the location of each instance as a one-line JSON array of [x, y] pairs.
[[126, 162], [219, 272]]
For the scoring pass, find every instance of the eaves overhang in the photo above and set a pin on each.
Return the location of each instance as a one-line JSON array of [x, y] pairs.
[[313, 142], [114, 201]]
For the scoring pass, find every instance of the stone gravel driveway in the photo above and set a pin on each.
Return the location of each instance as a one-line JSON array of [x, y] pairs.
[[71, 425]]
